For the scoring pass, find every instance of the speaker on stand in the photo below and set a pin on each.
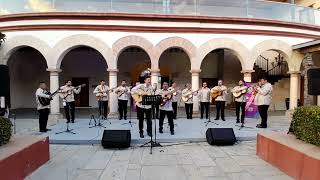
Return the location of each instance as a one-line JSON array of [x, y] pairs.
[[4, 89], [314, 81]]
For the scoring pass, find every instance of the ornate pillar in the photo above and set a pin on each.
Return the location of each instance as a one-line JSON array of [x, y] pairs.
[[55, 103], [113, 104], [247, 75], [195, 86], [307, 64], [155, 74], [294, 88]]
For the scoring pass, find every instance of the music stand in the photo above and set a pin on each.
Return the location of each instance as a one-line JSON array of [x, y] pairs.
[[209, 120], [130, 122], [152, 100], [67, 130], [101, 111]]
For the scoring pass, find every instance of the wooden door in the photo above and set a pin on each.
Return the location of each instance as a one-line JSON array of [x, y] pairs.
[[81, 99]]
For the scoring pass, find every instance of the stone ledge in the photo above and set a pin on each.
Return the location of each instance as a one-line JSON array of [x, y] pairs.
[[23, 155], [296, 158]]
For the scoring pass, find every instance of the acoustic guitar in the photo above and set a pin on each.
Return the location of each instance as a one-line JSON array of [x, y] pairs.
[[101, 94], [120, 93], [239, 93], [166, 97], [188, 96], [216, 93], [137, 96], [46, 101]]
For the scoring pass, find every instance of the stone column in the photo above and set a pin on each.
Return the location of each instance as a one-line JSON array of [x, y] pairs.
[[247, 75], [55, 103], [113, 99], [195, 86], [155, 74], [307, 64], [294, 89]]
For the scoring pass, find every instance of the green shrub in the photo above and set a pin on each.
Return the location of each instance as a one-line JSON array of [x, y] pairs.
[[306, 124], [5, 130]]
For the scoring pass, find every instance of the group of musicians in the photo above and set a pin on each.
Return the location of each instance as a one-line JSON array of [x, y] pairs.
[[262, 98]]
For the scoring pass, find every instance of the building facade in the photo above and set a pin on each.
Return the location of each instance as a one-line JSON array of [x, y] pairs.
[[180, 41]]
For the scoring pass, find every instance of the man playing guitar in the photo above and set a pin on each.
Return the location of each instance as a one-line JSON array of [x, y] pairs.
[[123, 92], [67, 94], [43, 110], [143, 110], [102, 94], [187, 96], [239, 93], [166, 108], [220, 99]]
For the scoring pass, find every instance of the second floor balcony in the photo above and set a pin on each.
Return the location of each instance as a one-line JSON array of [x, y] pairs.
[[251, 9]]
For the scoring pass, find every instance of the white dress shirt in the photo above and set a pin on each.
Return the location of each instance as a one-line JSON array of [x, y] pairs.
[[124, 93], [223, 96], [68, 94], [204, 94], [264, 95], [102, 91], [144, 88], [41, 93]]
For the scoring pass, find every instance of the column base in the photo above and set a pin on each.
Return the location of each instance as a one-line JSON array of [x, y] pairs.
[[289, 113], [54, 118]]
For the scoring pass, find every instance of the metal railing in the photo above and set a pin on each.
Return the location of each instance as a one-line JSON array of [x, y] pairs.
[[215, 8], [279, 68]]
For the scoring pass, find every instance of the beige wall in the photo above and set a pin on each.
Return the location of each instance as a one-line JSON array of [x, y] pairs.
[[309, 3]]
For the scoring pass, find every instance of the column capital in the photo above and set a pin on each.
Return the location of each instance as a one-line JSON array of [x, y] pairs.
[[294, 72], [113, 70], [155, 70], [247, 71], [54, 70], [195, 71]]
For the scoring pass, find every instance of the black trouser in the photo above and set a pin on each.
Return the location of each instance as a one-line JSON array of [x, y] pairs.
[[175, 109], [170, 119], [103, 108], [204, 105], [241, 105], [70, 106], [155, 111], [263, 111], [140, 113], [122, 107], [43, 119], [220, 108], [189, 109]]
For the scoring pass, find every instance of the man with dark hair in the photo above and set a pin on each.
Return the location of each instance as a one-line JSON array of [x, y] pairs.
[[166, 108], [140, 90], [67, 94], [220, 100], [123, 92], [102, 94], [263, 100], [43, 110]]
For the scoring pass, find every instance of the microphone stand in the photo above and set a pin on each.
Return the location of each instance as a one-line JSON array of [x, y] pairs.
[[69, 109], [130, 122], [101, 111]]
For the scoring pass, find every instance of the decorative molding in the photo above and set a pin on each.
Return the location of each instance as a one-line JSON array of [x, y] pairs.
[[54, 70]]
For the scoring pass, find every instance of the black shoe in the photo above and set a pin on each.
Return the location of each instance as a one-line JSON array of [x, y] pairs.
[[48, 129], [216, 119], [201, 118], [68, 121], [120, 118], [43, 131], [160, 131], [141, 135], [149, 134], [125, 118], [223, 120], [260, 126], [172, 132], [72, 121], [242, 125], [238, 121]]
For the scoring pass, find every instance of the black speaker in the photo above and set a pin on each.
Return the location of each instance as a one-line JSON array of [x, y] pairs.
[[5, 84], [220, 136], [116, 139], [314, 81]]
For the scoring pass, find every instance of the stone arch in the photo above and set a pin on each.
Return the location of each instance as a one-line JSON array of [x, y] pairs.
[[174, 42], [272, 44], [223, 43], [71, 42], [14, 43], [131, 41]]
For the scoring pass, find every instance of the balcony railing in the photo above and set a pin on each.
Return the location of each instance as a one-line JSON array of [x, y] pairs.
[[215, 8]]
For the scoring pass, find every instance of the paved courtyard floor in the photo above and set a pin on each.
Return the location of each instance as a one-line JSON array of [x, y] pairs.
[[191, 161]]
